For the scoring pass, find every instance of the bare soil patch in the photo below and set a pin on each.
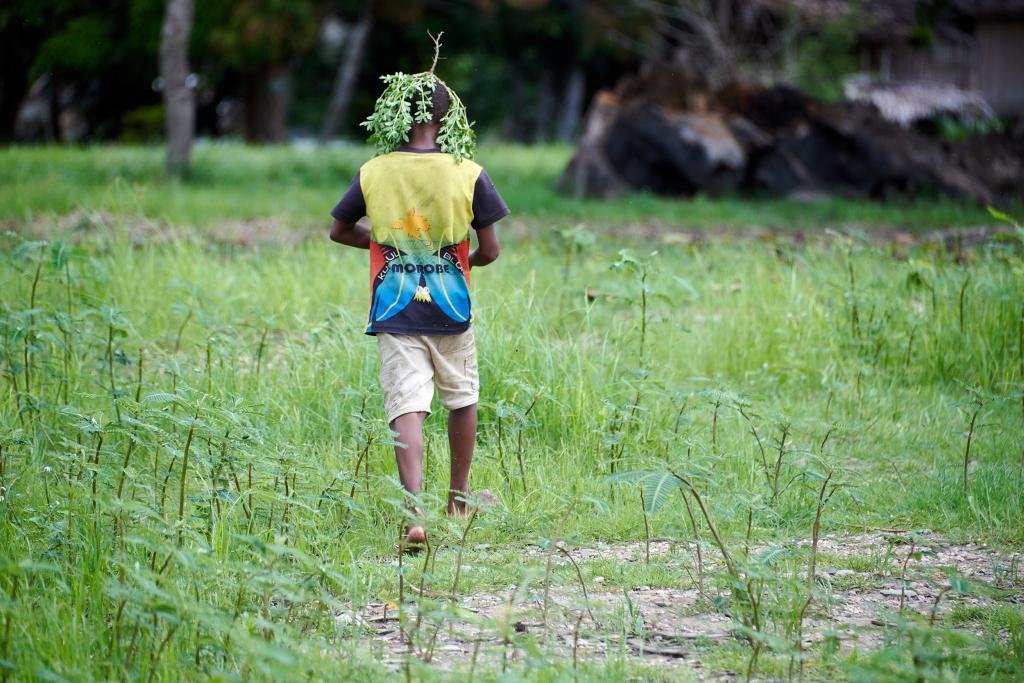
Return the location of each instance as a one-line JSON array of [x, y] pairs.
[[675, 627], [98, 227], [84, 227]]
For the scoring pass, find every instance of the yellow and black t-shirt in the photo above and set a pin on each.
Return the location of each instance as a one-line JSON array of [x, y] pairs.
[[421, 205]]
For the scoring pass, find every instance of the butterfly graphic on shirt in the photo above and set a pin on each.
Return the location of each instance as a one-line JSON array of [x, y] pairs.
[[435, 277]]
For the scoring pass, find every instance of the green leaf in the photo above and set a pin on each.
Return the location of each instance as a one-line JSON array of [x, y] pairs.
[[26, 248], [685, 284], [626, 260], [1005, 217], [161, 397], [627, 477], [658, 488], [44, 674], [598, 504], [58, 254]]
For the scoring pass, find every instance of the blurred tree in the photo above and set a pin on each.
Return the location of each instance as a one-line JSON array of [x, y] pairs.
[[178, 91], [715, 41], [554, 52], [355, 40], [525, 67], [96, 60], [260, 39], [25, 26], [21, 32], [350, 64]]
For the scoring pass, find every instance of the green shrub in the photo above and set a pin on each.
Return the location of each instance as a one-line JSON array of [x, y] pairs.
[[145, 124], [825, 58]]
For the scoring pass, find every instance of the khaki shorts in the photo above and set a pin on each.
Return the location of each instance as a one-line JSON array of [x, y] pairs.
[[411, 365]]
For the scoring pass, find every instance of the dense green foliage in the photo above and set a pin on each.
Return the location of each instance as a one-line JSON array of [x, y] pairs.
[[506, 57], [256, 33], [197, 477], [826, 58]]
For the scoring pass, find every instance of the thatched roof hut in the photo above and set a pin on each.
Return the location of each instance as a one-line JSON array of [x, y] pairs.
[[907, 102], [975, 45]]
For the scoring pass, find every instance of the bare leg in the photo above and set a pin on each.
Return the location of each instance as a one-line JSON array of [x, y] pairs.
[[410, 455], [461, 440], [410, 462]]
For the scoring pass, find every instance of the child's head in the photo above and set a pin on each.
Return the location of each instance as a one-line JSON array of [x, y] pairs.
[[420, 99], [439, 103]]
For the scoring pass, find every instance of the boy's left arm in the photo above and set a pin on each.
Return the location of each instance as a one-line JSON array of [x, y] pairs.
[[352, 234], [487, 249]]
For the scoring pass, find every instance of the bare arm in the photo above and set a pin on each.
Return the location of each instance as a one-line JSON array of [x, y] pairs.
[[351, 234], [488, 248]]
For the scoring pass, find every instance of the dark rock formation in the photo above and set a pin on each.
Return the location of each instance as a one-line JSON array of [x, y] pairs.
[[674, 138]]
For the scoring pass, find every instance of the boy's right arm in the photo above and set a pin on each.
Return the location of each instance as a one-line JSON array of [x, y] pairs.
[[349, 227], [488, 209]]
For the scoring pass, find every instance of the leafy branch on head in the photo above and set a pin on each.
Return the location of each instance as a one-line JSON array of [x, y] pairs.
[[407, 99], [437, 49]]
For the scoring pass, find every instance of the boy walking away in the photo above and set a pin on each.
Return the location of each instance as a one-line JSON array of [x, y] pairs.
[[421, 198]]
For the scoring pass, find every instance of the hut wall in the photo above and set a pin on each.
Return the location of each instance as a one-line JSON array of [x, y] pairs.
[[1000, 76], [944, 62]]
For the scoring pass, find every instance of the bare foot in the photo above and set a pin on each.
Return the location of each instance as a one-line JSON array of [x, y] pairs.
[[459, 509], [415, 539]]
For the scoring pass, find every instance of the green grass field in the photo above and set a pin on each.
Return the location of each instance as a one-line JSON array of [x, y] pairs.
[[198, 481], [230, 182]]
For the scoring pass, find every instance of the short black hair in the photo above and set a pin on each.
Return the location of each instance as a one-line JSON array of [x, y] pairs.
[[439, 102]]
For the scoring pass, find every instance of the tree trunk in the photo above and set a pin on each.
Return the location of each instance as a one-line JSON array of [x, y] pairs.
[[52, 130], [348, 71], [545, 108], [15, 61], [572, 105], [514, 122], [179, 102], [266, 104]]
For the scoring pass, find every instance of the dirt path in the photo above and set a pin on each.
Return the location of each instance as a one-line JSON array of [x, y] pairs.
[[81, 226], [676, 627]]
